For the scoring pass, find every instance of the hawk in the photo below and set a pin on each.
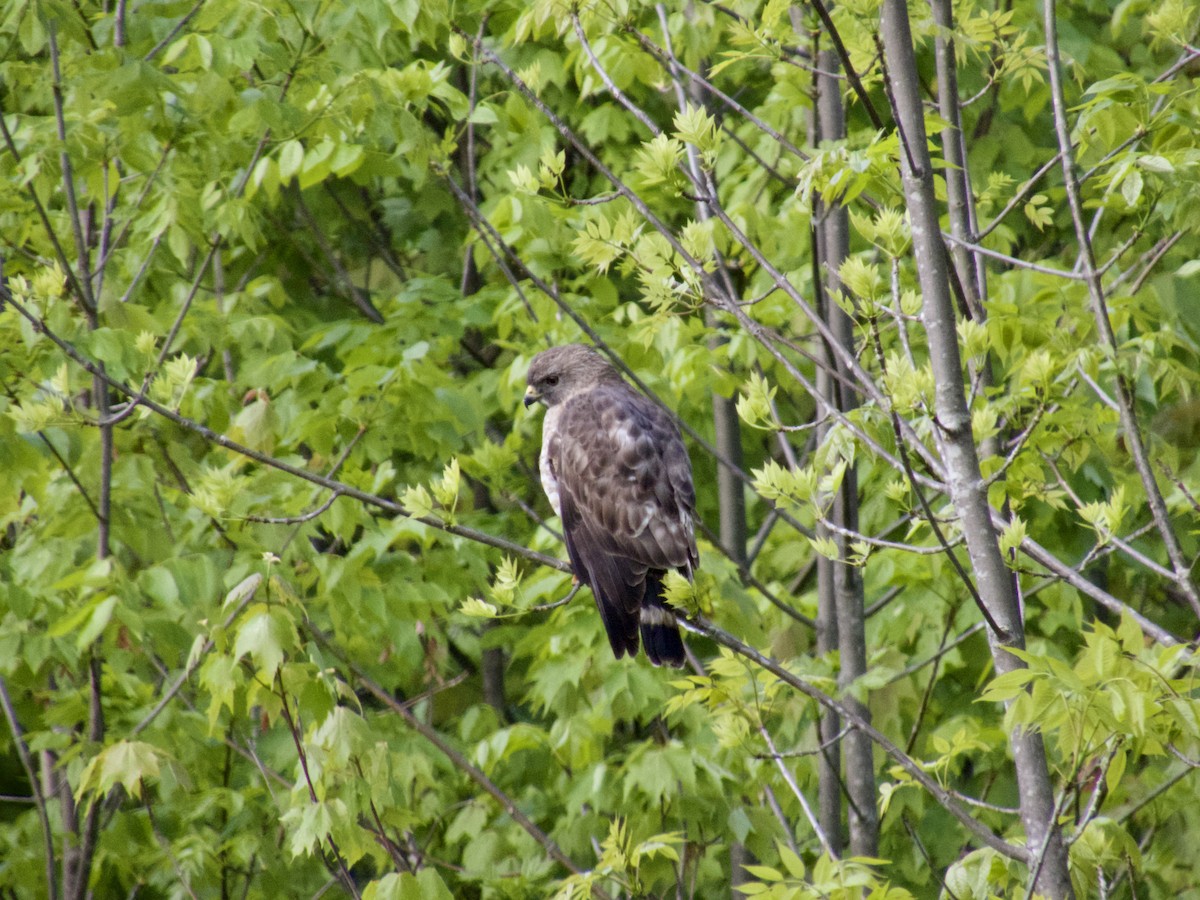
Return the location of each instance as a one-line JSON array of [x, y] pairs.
[[615, 470]]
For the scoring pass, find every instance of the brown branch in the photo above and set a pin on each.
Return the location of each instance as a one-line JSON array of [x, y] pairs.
[[1025, 191], [295, 520], [357, 295], [1071, 576], [844, 57], [171, 35], [669, 61], [1156, 256]]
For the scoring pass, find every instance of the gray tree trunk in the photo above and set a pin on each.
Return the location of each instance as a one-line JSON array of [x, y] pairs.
[[995, 583], [838, 582]]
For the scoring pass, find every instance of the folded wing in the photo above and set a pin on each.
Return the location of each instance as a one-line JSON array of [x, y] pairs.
[[626, 499]]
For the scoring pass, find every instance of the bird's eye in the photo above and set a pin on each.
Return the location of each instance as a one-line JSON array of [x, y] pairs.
[[550, 380]]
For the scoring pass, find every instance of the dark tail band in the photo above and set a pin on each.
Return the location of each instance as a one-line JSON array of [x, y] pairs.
[[660, 632]]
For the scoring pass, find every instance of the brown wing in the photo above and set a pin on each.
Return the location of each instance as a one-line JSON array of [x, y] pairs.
[[626, 497]]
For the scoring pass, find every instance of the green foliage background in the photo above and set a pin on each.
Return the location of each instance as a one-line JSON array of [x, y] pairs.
[[268, 219]]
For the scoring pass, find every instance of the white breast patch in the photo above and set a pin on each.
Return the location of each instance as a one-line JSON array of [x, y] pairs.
[[549, 482]]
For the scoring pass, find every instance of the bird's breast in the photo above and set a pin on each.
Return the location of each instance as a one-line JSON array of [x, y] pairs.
[[549, 480]]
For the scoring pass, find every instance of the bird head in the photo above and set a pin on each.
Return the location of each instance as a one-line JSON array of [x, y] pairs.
[[555, 375]]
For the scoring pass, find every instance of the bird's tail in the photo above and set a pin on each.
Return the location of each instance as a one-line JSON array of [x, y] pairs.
[[660, 632]]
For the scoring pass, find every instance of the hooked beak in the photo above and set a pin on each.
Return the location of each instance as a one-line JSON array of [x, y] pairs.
[[531, 396]]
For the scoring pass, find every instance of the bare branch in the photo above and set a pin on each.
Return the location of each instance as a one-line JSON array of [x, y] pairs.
[[1012, 260], [790, 780], [1073, 577], [295, 520], [1026, 190], [174, 32]]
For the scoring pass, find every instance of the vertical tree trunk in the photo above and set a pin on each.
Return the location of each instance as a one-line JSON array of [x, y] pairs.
[[959, 203], [727, 429], [829, 762], [727, 438], [838, 581], [996, 586]]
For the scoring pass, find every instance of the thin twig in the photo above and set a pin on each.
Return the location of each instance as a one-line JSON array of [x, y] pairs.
[[265, 459], [546, 607], [171, 35], [343, 871], [1105, 535], [716, 295], [194, 662], [35, 785], [1073, 577], [295, 520], [1013, 261], [790, 780], [1160, 251]]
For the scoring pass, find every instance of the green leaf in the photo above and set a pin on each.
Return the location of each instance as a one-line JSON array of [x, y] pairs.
[[1116, 770], [478, 609], [1158, 164], [1012, 537], [291, 158], [125, 763], [764, 873], [100, 616], [347, 159], [792, 862], [221, 677], [1131, 187], [312, 824], [1007, 686], [243, 591], [265, 637]]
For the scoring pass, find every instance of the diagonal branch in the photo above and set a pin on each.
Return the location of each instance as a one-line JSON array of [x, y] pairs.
[[332, 484], [913, 768]]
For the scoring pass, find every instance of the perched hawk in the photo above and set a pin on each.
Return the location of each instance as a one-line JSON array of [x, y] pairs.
[[616, 472]]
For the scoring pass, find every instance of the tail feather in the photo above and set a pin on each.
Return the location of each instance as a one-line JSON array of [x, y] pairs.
[[660, 631]]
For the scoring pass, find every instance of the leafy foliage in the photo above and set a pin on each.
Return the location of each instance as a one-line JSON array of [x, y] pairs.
[[280, 604]]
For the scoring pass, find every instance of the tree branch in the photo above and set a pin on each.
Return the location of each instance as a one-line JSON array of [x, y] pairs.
[[912, 767]]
